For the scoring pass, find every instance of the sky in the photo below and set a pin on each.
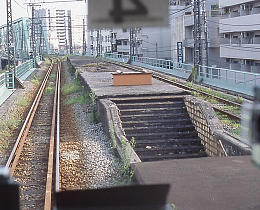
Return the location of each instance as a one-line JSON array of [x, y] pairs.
[[20, 9]]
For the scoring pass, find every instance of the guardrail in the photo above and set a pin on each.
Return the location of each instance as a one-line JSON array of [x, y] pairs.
[[20, 70], [231, 80]]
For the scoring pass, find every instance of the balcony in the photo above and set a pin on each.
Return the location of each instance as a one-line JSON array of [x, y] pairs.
[[188, 20], [241, 51], [188, 43], [246, 67], [256, 40], [241, 23], [255, 69]]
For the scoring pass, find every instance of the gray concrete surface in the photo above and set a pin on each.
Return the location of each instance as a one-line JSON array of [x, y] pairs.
[[230, 183]]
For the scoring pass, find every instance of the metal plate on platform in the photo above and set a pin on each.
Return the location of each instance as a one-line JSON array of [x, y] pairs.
[[127, 13]]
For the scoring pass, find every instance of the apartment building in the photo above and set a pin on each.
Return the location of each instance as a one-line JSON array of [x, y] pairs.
[[240, 34], [98, 42], [182, 25], [61, 30]]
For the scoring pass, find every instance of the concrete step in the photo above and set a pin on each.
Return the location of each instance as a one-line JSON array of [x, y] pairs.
[[146, 99], [147, 158], [151, 116], [159, 129], [157, 104], [158, 122], [174, 149], [160, 136], [150, 111], [166, 142]]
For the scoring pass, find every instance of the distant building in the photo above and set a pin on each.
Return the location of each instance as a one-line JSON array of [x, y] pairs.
[[240, 34], [182, 25], [61, 30], [98, 42]]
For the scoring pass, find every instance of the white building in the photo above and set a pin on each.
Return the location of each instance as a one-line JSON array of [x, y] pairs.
[[61, 30], [240, 34], [98, 42]]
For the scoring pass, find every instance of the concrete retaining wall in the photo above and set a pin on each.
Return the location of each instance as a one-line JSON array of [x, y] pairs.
[[210, 130]]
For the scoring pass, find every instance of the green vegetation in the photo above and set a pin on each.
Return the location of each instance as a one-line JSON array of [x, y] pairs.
[[13, 122], [80, 99], [94, 64], [112, 135], [36, 80], [232, 126], [94, 115], [70, 88], [133, 142], [83, 97], [127, 172]]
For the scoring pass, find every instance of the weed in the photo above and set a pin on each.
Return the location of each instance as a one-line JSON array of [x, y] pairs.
[[112, 135], [24, 101], [49, 90], [70, 88], [126, 170], [36, 80], [53, 76], [94, 116], [80, 99], [133, 142]]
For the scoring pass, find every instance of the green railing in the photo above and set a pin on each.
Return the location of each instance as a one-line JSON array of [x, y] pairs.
[[20, 71]]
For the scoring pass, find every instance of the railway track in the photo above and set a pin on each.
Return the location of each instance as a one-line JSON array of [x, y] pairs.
[[227, 110], [31, 161]]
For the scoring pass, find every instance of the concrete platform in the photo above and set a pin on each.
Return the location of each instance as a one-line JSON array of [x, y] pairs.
[[102, 85], [230, 183], [102, 82]]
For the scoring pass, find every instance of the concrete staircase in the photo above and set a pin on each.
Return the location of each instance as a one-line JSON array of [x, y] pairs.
[[160, 126]]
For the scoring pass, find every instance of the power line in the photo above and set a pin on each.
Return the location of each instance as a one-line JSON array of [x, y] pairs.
[[56, 1], [19, 4]]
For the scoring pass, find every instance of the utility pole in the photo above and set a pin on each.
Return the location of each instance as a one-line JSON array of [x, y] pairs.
[[10, 37], [205, 40], [98, 43], [33, 37], [10, 46], [84, 40], [70, 32], [156, 45], [49, 35], [197, 35], [131, 45]]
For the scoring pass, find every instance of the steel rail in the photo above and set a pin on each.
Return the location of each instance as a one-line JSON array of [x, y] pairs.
[[17, 149], [57, 178], [54, 126]]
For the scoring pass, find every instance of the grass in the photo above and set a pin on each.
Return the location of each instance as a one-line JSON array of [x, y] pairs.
[[13, 122], [70, 88], [94, 64], [232, 126], [49, 90], [36, 80], [80, 99]]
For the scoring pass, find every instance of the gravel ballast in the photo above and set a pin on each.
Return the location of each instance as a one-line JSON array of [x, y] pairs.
[[87, 158]]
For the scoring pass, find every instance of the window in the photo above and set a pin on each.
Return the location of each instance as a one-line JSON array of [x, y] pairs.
[[228, 60], [125, 42], [214, 10], [124, 30]]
